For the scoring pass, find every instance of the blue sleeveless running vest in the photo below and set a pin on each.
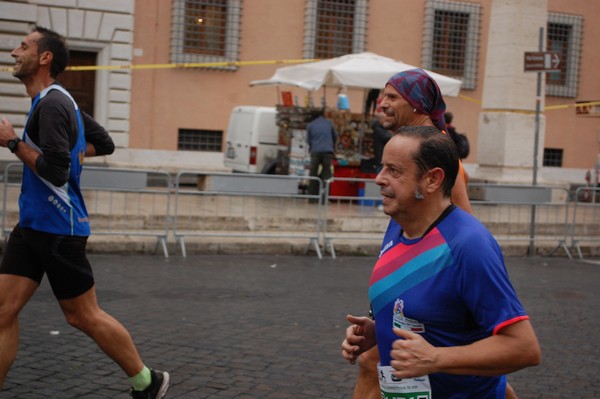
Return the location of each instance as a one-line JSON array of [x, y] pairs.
[[45, 207]]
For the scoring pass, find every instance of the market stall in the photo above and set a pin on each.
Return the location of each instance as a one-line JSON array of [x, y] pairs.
[[354, 146]]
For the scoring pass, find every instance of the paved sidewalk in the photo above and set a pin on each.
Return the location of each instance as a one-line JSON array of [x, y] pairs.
[[268, 326]]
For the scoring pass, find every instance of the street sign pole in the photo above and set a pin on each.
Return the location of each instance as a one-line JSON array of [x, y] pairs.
[[538, 107]]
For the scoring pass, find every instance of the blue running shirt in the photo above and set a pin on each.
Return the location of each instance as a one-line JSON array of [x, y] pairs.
[[45, 207], [450, 286]]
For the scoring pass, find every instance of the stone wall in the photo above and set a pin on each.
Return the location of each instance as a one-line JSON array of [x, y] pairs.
[[101, 26]]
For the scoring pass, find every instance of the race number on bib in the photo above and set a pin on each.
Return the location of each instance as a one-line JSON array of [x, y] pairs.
[[402, 388]]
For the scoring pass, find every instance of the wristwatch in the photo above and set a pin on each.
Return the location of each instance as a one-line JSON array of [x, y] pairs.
[[12, 144]]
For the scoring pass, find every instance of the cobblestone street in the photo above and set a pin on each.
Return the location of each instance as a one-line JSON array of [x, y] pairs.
[[267, 326]]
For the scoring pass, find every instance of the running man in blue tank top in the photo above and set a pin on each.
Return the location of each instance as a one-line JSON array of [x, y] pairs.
[[446, 319], [53, 227]]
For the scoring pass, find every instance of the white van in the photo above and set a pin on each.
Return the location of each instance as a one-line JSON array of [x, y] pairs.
[[252, 137]]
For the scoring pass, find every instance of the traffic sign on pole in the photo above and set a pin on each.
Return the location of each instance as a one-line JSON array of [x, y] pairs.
[[542, 61]]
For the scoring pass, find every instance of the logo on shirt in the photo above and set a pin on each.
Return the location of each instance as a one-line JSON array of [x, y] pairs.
[[386, 247], [403, 322], [56, 203]]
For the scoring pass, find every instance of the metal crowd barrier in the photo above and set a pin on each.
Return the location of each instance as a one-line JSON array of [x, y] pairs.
[[128, 202], [134, 202], [120, 202], [515, 213], [245, 206], [352, 212], [523, 213], [585, 226], [10, 197]]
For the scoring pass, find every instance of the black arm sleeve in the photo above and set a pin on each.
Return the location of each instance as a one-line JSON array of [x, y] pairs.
[[97, 136], [53, 128], [55, 174]]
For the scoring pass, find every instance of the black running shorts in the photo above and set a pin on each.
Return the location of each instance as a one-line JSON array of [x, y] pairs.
[[31, 253]]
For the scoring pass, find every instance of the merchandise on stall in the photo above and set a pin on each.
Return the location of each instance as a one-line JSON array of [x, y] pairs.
[[354, 145]]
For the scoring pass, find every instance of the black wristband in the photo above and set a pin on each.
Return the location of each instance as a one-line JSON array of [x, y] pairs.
[[13, 144]]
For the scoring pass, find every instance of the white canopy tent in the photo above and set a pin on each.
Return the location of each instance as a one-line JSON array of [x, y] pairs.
[[363, 70]]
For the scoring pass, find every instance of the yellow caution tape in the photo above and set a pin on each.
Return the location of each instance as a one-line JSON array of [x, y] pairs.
[[471, 99], [177, 65], [278, 62], [576, 105], [521, 111]]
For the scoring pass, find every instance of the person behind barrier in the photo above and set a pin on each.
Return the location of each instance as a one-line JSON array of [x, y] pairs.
[[51, 235], [446, 319], [460, 140], [381, 136], [321, 137]]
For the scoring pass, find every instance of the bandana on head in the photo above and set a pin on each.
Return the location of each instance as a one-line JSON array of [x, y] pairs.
[[422, 93]]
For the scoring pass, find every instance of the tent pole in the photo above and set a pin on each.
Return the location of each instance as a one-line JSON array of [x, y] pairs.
[[362, 123]]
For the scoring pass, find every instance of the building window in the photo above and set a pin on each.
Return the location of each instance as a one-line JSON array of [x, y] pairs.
[[449, 42], [564, 37], [334, 28], [206, 31], [553, 157], [200, 140], [451, 39], [205, 27]]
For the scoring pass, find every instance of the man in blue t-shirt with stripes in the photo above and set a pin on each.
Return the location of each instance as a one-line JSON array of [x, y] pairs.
[[446, 319]]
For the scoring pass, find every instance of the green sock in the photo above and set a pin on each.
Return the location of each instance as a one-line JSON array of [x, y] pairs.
[[141, 380]]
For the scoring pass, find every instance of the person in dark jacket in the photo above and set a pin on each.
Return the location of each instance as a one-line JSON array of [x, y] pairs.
[[380, 137], [321, 137], [460, 140]]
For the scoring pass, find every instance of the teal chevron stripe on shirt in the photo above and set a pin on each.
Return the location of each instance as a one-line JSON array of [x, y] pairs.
[[420, 268]]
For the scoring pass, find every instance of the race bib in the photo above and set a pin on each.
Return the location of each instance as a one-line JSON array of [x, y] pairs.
[[404, 388]]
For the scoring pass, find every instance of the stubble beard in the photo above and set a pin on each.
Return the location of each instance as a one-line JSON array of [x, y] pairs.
[[18, 75], [26, 68], [390, 124]]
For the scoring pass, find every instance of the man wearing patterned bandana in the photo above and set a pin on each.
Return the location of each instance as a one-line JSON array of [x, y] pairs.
[[448, 321], [412, 98]]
